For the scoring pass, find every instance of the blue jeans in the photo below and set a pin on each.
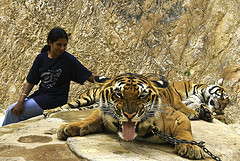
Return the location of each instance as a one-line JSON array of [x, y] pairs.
[[31, 109]]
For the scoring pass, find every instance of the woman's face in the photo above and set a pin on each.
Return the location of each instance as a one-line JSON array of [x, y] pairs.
[[58, 47]]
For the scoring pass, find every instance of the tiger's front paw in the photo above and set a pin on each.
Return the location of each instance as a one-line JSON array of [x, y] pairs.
[[71, 129], [205, 113], [189, 151]]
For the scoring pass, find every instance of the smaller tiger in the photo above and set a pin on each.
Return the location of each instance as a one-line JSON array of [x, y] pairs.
[[197, 101]]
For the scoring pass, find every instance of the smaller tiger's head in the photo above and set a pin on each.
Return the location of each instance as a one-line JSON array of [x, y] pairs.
[[218, 98], [130, 100]]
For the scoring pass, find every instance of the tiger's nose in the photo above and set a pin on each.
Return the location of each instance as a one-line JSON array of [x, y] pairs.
[[129, 116]]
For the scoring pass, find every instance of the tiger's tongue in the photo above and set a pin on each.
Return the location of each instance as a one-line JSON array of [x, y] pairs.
[[128, 130]]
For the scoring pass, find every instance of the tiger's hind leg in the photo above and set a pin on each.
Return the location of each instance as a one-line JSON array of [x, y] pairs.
[[67, 107], [87, 100]]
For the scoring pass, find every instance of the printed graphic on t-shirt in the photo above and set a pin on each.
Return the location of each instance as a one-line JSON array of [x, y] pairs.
[[50, 77]]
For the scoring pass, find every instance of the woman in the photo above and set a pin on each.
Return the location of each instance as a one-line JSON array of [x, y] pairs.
[[54, 68]]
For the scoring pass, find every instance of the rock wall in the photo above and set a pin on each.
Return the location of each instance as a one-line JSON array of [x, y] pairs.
[[197, 40]]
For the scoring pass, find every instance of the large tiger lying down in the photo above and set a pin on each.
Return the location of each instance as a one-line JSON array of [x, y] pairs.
[[130, 104], [196, 101]]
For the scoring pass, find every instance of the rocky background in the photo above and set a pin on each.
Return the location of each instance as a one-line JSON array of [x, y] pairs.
[[197, 40]]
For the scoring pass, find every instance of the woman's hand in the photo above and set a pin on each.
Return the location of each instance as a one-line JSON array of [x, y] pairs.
[[91, 78], [18, 108]]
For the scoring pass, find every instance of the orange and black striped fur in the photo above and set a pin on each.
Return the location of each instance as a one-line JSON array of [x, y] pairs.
[[130, 105], [197, 101]]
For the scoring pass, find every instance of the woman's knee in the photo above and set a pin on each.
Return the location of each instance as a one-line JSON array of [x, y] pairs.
[[31, 109]]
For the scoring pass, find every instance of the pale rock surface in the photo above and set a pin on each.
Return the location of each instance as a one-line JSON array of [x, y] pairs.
[[36, 139]]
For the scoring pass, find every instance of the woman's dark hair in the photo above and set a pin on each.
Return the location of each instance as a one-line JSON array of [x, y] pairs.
[[54, 35]]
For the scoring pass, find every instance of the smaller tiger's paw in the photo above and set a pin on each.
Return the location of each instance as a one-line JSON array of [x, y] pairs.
[[205, 113], [71, 129], [189, 151]]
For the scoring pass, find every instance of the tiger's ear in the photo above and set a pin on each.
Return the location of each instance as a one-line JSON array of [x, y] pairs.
[[220, 82], [101, 80], [160, 83]]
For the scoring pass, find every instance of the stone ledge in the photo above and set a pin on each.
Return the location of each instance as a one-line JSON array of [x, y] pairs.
[[23, 141]]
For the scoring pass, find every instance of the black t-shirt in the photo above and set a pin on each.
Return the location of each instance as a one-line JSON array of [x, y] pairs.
[[55, 76]]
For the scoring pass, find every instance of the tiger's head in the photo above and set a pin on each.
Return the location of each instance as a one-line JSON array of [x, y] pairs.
[[129, 102], [218, 98]]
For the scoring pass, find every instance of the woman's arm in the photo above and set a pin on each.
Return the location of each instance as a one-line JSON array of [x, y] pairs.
[[19, 107]]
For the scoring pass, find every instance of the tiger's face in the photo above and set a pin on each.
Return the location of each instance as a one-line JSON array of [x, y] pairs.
[[130, 102], [218, 98]]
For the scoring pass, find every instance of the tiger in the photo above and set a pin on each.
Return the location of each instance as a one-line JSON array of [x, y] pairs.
[[196, 100], [130, 105], [85, 101]]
